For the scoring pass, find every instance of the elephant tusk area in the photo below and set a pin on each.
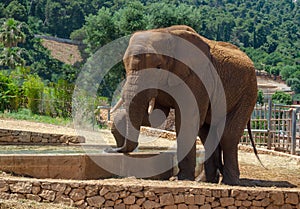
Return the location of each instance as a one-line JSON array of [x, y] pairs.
[[119, 103], [151, 106]]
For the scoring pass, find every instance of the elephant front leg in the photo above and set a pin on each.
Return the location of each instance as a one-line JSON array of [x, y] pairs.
[[186, 147], [118, 128], [213, 165]]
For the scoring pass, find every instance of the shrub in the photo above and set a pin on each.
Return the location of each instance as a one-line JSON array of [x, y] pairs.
[[8, 93], [33, 91]]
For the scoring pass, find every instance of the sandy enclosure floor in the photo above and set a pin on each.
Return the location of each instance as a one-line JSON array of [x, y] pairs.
[[281, 171]]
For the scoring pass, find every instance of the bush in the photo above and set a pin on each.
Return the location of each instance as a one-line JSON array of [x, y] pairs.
[[8, 93], [33, 91], [282, 98]]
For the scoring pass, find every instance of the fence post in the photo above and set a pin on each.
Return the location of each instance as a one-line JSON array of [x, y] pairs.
[[293, 142], [269, 144]]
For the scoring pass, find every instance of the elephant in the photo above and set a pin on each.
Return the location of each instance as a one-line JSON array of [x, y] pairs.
[[236, 73]]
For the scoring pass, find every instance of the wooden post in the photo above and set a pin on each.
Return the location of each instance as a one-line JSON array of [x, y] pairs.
[[269, 144], [293, 139]]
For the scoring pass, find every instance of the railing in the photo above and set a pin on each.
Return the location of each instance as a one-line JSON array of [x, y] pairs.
[[275, 127]]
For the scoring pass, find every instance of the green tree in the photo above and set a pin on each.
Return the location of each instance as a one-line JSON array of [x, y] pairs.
[[131, 18], [16, 11], [11, 33], [280, 97], [100, 29], [260, 97]]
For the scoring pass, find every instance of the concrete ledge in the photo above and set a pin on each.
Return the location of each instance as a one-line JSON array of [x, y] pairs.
[[135, 193], [82, 166], [8, 136]]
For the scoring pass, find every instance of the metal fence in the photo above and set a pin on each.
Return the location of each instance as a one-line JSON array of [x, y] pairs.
[[275, 127]]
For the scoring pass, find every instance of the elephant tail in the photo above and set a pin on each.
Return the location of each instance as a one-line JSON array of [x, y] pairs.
[[253, 144]]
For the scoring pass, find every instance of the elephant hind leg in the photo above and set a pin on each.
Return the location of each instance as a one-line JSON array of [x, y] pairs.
[[235, 124]]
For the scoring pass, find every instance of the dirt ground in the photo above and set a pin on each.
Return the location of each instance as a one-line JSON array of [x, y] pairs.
[[279, 171]]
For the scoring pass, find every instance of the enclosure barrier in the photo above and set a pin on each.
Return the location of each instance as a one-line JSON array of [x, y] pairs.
[[275, 127], [8, 136], [133, 193]]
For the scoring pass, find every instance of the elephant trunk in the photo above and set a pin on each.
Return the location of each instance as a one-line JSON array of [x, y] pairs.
[[136, 102]]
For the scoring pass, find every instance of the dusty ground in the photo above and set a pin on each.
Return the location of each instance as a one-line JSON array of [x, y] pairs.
[[281, 171]]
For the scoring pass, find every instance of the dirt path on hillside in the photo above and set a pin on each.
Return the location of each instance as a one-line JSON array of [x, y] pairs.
[[281, 171]]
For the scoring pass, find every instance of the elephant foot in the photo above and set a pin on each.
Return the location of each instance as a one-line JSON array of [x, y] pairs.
[[184, 176], [230, 179], [232, 182], [215, 179], [127, 147]]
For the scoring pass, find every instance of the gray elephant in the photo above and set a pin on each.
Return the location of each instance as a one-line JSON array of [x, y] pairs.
[[143, 93]]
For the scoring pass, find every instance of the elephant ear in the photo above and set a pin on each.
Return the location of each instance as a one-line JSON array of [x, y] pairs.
[[182, 50]]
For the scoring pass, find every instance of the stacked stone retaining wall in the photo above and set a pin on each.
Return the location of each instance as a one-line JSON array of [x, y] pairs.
[[133, 193], [8, 136]]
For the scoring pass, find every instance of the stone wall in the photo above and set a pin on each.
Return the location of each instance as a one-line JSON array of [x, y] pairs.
[[8, 136], [132, 193]]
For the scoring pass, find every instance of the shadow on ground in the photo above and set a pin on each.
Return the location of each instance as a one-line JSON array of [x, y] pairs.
[[265, 183]]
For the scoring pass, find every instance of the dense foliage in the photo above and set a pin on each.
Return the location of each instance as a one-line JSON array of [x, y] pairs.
[[268, 31]]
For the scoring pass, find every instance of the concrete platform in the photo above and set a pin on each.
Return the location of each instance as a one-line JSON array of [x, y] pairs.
[[93, 166]]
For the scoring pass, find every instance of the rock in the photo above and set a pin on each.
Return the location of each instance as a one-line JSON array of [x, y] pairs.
[[6, 139], [246, 203], [112, 196], [58, 187], [265, 202], [91, 190], [206, 206], [292, 198], [33, 197], [278, 198], [36, 189], [238, 203], [189, 199], [47, 195], [120, 206], [286, 206], [166, 199], [77, 194], [137, 194], [109, 203], [179, 198], [3, 186], [64, 200], [151, 204], [170, 207], [199, 199], [103, 191], [130, 200], [134, 207], [182, 206], [140, 201], [227, 201], [256, 203], [21, 187], [135, 189], [46, 185]]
